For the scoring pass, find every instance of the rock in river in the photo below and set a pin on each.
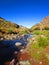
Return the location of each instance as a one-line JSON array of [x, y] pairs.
[[18, 44]]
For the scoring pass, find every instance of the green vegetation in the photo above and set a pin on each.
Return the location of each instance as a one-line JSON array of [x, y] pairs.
[[0, 30], [8, 27], [24, 32], [37, 32], [43, 32], [43, 42], [46, 28], [9, 30], [39, 48], [39, 44]]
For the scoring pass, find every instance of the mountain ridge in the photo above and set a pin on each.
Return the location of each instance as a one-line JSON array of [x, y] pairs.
[[43, 25], [9, 27]]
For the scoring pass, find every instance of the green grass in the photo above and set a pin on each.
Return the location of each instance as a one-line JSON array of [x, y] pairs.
[[43, 41], [37, 48], [39, 32], [24, 32]]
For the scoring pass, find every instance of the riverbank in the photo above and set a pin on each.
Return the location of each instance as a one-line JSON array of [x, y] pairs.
[[37, 50], [39, 47], [10, 36], [12, 46]]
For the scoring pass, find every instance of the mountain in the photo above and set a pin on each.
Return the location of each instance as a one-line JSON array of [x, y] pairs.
[[43, 25], [8, 27]]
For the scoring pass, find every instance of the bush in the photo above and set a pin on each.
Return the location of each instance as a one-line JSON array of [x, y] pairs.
[[0, 30], [46, 28], [37, 29], [10, 31], [25, 32], [43, 42], [37, 32]]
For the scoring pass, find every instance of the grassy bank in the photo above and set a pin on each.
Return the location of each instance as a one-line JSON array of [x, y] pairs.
[[39, 48]]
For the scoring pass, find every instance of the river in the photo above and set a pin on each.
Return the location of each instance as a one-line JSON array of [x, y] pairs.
[[7, 47]]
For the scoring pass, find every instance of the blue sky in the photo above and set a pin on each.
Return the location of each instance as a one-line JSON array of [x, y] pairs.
[[24, 12]]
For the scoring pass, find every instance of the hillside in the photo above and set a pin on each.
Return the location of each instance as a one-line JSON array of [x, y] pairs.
[[9, 29], [43, 25]]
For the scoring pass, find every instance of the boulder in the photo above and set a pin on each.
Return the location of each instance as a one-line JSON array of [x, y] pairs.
[[18, 44]]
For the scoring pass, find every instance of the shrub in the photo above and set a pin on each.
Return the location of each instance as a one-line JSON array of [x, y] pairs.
[[46, 28], [10, 31], [37, 29], [24, 32], [36, 32], [0, 30], [43, 41]]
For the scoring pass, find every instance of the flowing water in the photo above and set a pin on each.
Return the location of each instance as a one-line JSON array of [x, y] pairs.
[[7, 47]]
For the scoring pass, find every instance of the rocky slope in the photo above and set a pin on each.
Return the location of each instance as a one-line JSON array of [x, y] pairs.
[[43, 25], [8, 27], [9, 30]]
